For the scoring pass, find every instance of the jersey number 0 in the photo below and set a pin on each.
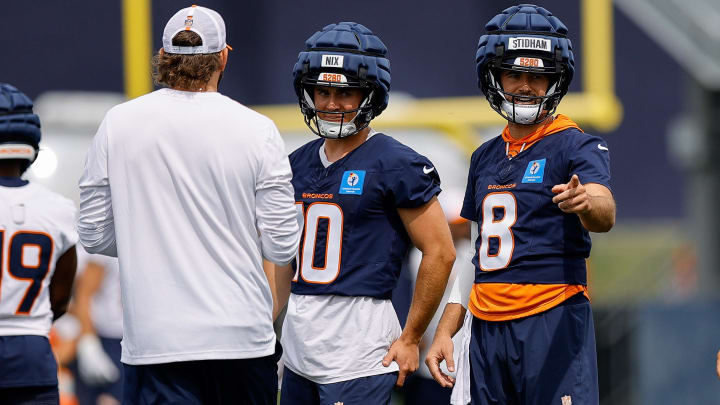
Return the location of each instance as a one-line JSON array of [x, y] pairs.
[[331, 217]]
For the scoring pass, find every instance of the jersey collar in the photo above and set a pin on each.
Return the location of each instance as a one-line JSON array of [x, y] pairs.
[[515, 146], [323, 157], [12, 182]]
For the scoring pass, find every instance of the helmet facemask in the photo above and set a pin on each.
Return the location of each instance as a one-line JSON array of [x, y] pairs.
[[524, 109], [346, 126]]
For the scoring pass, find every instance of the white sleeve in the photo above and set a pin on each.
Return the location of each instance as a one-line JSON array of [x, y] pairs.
[[275, 203], [69, 234], [460, 292], [64, 217], [95, 224]]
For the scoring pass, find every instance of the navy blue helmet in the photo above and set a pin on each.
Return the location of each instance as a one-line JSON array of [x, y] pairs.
[[525, 38], [346, 54], [19, 126]]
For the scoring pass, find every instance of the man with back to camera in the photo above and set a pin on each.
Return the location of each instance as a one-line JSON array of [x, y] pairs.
[[535, 193], [364, 197], [37, 259], [191, 190]]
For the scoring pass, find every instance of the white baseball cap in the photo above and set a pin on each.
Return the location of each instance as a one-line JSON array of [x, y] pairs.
[[207, 23]]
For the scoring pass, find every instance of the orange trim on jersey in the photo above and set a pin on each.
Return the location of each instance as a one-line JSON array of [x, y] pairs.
[[298, 255], [492, 210], [512, 235], [505, 301], [32, 280], [327, 247], [559, 123], [487, 248], [22, 256], [327, 240]]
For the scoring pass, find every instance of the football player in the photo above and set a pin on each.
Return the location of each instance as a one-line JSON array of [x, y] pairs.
[[365, 198], [37, 259], [533, 194]]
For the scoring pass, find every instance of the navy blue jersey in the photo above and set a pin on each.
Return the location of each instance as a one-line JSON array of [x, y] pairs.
[[524, 237], [353, 240]]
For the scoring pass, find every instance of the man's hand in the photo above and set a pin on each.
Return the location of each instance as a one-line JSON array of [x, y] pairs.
[[406, 355], [95, 366], [592, 202], [572, 198], [441, 349]]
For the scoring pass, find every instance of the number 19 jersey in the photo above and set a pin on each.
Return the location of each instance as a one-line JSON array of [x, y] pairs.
[[36, 227]]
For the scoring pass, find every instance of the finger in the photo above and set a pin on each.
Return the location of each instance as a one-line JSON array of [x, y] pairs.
[[444, 380], [571, 205], [388, 357], [558, 188], [564, 207], [434, 367], [565, 195], [450, 362], [401, 378], [574, 181]]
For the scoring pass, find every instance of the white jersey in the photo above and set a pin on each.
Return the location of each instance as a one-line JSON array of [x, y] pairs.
[[189, 189], [37, 226], [106, 304], [332, 338]]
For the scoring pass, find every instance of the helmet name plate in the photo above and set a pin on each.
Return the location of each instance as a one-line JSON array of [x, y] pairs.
[[332, 61], [537, 44]]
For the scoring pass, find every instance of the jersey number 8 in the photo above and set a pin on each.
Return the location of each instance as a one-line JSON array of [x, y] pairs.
[[320, 215], [499, 213]]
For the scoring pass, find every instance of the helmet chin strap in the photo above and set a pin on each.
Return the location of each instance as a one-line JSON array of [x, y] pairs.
[[524, 114], [334, 130]]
